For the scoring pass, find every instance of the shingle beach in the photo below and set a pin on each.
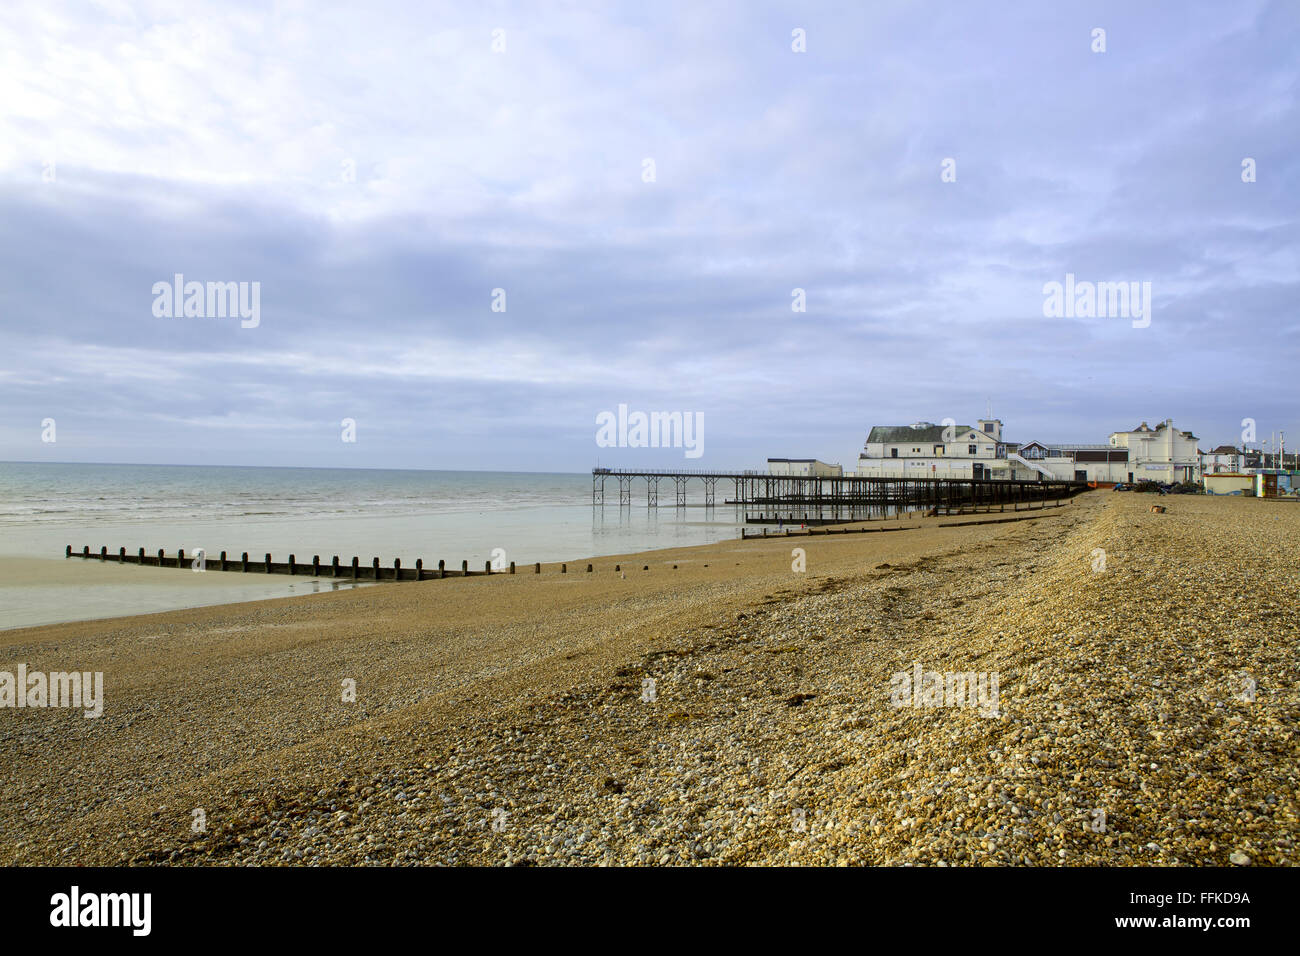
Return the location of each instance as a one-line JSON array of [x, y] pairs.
[[727, 711]]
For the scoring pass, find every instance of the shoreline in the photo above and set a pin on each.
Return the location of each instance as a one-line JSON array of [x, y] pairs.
[[525, 695], [78, 572]]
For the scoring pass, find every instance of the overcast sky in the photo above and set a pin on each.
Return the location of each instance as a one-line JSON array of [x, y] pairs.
[[380, 169]]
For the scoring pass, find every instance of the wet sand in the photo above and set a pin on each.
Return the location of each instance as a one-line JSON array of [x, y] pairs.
[[37, 591]]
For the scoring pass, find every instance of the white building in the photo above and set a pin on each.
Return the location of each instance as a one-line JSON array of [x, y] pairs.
[[1100, 463], [803, 468], [1163, 453], [1224, 460], [927, 450]]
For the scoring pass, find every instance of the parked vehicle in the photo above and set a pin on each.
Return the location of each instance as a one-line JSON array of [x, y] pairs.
[[1120, 486]]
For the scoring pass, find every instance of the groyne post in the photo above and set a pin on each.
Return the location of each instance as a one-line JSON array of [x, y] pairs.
[[268, 562]]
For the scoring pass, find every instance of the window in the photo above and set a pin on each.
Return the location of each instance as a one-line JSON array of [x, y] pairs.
[[988, 427], [970, 450], [938, 450], [893, 453]]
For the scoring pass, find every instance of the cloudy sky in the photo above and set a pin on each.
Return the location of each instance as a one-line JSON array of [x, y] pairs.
[[380, 168]]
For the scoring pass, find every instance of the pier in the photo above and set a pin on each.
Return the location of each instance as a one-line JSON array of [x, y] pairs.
[[822, 500]]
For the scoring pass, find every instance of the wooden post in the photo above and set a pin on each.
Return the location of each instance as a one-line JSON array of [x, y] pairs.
[[419, 569], [140, 556], [160, 557], [355, 567], [537, 568], [85, 550], [442, 568], [292, 561], [375, 565], [564, 569], [121, 555], [512, 567], [487, 567], [243, 563], [315, 565], [589, 569], [268, 563], [397, 569], [67, 553], [103, 552], [223, 560], [334, 567], [464, 568]]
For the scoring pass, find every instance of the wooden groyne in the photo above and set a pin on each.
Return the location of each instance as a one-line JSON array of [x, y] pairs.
[[810, 531], [903, 514], [316, 568]]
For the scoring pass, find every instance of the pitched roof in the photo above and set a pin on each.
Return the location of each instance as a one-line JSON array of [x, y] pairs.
[[922, 432]]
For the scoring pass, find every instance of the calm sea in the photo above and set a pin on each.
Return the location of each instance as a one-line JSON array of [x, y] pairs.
[[448, 515]]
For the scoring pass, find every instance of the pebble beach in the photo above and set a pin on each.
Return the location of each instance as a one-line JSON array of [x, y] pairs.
[[706, 706]]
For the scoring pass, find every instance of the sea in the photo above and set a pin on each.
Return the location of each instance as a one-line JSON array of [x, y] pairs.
[[455, 516]]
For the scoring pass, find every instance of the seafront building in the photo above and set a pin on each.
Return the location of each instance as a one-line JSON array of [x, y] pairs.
[[1104, 464], [927, 450], [1163, 453], [803, 468], [1223, 460]]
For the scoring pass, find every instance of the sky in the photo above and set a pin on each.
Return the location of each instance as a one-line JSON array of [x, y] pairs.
[[476, 227]]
